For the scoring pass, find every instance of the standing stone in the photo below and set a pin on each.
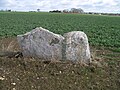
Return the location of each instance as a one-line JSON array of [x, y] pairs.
[[41, 43], [76, 47]]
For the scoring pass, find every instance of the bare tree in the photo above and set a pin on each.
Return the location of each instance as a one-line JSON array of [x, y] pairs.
[[66, 11], [74, 10], [38, 10]]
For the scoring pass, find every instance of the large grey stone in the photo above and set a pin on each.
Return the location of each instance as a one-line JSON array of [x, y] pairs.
[[76, 47], [41, 43]]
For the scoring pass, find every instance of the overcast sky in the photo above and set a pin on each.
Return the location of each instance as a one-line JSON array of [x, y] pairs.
[[46, 5]]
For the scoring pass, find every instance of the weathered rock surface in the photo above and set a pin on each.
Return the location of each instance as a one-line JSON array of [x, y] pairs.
[[77, 47], [41, 43]]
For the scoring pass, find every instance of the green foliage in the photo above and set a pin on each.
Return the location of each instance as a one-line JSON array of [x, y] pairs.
[[101, 30]]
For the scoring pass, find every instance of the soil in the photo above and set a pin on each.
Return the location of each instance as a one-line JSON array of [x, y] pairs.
[[34, 74]]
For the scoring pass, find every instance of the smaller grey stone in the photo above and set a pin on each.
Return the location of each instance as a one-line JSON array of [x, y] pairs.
[[77, 47]]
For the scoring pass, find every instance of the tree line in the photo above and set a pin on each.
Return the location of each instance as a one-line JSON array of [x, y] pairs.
[[72, 10]]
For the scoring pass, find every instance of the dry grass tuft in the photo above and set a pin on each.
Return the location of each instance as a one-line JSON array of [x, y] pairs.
[[9, 44]]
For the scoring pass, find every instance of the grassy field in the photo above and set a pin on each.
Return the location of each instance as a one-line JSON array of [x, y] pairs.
[[101, 30], [32, 74]]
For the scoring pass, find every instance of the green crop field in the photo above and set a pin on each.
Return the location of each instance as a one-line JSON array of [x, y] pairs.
[[101, 30]]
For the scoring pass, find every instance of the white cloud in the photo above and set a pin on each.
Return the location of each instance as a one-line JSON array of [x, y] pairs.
[[46, 5]]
